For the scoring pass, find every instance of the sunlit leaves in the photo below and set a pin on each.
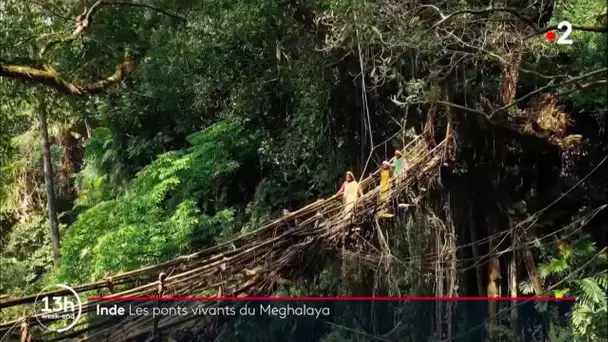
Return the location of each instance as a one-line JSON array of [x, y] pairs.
[[158, 217], [592, 301], [557, 266], [561, 293], [526, 287], [27, 256]]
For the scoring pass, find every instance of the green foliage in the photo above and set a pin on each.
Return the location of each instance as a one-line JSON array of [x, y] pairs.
[[282, 109], [21, 172], [586, 54], [99, 180], [14, 119], [590, 290], [158, 217], [26, 257]]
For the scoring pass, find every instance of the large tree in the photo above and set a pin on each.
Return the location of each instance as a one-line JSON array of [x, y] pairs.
[[30, 64]]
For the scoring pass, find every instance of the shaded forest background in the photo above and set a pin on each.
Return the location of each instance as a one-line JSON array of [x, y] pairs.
[[136, 131]]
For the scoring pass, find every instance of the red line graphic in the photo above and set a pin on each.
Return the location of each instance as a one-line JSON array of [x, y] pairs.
[[538, 299]]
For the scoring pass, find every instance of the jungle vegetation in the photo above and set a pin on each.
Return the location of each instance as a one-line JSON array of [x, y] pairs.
[[135, 131]]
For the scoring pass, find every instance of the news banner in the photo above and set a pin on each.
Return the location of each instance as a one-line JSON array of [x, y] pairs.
[[69, 312], [226, 310]]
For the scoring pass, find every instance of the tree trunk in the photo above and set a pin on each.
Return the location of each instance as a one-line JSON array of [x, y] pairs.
[[513, 289], [510, 77], [48, 179], [88, 127], [476, 253], [531, 268], [493, 292]]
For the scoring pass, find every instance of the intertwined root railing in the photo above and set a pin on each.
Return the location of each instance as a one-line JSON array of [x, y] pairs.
[[249, 265]]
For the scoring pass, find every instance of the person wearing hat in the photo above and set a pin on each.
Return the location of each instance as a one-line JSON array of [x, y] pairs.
[[288, 224], [400, 165], [351, 191]]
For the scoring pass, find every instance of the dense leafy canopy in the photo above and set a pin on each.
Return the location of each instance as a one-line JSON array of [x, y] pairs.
[[175, 125]]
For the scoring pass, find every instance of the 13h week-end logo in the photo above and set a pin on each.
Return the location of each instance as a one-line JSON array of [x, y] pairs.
[[58, 311]]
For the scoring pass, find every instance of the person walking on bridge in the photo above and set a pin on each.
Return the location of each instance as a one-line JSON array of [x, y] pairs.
[[400, 164], [386, 174], [351, 191], [288, 224], [401, 167]]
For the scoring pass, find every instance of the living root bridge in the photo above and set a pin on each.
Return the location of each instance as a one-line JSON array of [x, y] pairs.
[[254, 264]]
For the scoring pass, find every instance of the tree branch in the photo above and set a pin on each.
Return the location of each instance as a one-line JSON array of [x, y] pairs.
[[154, 8], [487, 119], [132, 4], [54, 43], [54, 80], [597, 29], [83, 20], [445, 103], [548, 86], [591, 84], [518, 15], [38, 73], [308, 19], [26, 61], [552, 84], [511, 11]]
